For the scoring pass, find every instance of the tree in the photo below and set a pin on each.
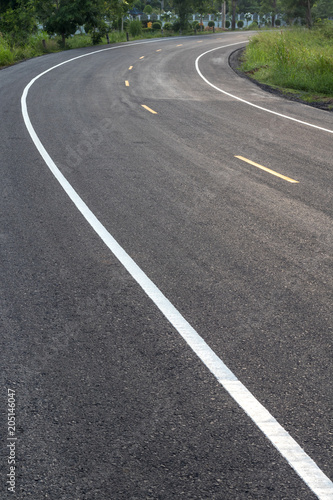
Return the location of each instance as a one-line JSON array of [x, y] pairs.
[[8, 4], [18, 21], [299, 8], [251, 6], [202, 7], [269, 7], [116, 10], [323, 9], [148, 10], [183, 8], [233, 14], [64, 17]]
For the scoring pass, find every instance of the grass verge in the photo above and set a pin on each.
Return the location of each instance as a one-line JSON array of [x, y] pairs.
[[298, 62], [40, 44]]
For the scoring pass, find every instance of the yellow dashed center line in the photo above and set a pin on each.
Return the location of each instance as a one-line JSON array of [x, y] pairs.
[[131, 67], [142, 57], [158, 50], [127, 83], [267, 170], [149, 109], [180, 45], [199, 41]]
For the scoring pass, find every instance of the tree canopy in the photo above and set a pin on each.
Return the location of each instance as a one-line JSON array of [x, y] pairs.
[[64, 17]]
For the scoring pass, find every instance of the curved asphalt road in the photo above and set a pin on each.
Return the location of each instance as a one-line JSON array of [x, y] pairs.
[[111, 403]]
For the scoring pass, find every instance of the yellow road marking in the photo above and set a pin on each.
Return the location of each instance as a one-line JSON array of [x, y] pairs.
[[180, 45], [131, 67], [199, 41], [127, 83], [158, 50], [142, 57], [267, 170], [149, 109]]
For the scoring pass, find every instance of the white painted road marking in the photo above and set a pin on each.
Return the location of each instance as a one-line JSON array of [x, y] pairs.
[[248, 102], [305, 467]]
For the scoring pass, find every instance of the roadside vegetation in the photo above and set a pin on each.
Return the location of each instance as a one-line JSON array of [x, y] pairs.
[[30, 28], [294, 60], [41, 43], [37, 45]]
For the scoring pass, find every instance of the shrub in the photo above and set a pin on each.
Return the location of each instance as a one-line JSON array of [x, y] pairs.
[[148, 10], [227, 24], [167, 27], [176, 26], [96, 32], [240, 24], [156, 26], [326, 28], [135, 27], [277, 22], [253, 26], [6, 55], [211, 24]]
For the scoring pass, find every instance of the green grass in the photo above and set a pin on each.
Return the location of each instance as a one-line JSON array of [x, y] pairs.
[[296, 60], [11, 53]]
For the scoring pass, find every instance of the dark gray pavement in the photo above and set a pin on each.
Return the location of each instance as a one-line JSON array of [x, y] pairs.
[[111, 403]]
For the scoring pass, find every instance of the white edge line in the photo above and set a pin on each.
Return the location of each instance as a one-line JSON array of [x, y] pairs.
[[248, 102], [305, 467]]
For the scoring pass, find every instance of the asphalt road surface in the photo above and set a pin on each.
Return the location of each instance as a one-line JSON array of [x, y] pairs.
[[166, 297]]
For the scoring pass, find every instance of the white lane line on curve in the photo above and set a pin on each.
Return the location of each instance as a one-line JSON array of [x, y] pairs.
[[305, 467], [248, 102]]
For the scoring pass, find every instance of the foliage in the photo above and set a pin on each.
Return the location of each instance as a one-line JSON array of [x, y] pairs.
[[64, 17], [182, 8], [33, 47], [19, 23], [269, 8], [211, 24], [323, 9], [135, 27], [227, 24], [6, 54], [156, 26], [325, 28], [7, 5], [240, 24], [167, 26], [251, 6], [201, 7], [97, 33], [295, 59], [148, 10], [176, 25], [115, 11], [299, 8], [253, 26]]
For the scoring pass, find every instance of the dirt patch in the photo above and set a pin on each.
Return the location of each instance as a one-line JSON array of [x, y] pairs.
[[235, 61]]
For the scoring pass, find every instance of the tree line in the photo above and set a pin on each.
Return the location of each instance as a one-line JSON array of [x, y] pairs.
[[21, 18]]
